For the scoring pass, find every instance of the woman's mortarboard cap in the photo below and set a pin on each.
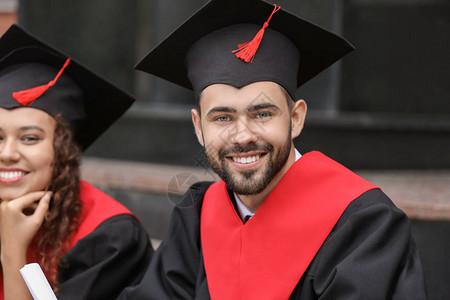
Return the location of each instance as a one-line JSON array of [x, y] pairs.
[[85, 100]]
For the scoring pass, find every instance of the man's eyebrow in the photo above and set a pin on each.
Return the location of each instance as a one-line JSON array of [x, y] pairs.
[[261, 106], [221, 109]]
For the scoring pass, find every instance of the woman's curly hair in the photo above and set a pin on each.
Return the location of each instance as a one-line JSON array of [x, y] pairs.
[[53, 238]]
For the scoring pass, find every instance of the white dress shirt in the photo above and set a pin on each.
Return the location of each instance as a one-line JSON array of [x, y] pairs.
[[243, 211]]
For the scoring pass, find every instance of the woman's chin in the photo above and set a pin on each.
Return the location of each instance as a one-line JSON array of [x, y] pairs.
[[6, 197]]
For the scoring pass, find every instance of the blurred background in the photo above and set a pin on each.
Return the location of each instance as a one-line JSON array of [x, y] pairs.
[[382, 111]]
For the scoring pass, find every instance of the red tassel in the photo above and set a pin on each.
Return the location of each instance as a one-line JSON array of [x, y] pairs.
[[247, 50], [27, 97]]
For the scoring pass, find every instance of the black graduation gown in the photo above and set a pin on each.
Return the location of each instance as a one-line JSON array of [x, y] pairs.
[[115, 255], [370, 254]]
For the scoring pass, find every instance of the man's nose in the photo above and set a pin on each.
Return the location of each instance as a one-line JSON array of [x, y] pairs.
[[243, 133]]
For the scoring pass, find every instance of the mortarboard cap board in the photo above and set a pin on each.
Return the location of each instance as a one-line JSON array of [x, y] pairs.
[[88, 102], [200, 51]]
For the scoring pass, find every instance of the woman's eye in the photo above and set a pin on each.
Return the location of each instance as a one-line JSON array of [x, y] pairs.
[[30, 138]]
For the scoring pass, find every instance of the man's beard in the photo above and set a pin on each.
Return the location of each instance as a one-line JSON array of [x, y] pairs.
[[249, 183]]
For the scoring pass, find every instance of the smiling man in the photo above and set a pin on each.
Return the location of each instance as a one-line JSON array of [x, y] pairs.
[[278, 225], [247, 133]]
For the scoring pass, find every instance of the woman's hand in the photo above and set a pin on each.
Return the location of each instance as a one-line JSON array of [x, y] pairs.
[[20, 220]]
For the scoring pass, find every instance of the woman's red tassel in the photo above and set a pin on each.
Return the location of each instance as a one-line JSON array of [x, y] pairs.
[[27, 97], [247, 50]]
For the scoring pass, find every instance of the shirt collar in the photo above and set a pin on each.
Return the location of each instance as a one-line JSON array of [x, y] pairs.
[[242, 209]]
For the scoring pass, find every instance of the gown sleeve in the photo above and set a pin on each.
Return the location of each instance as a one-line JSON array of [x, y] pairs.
[[370, 254], [115, 255], [175, 269]]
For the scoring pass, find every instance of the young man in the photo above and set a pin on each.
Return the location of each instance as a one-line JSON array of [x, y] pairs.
[[278, 225]]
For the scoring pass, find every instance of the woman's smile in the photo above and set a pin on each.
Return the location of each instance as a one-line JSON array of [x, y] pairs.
[[26, 151]]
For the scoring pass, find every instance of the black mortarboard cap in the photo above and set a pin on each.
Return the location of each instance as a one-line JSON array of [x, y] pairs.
[[200, 51], [85, 100]]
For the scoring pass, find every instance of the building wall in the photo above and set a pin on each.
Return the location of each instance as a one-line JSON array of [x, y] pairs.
[[8, 14], [382, 106]]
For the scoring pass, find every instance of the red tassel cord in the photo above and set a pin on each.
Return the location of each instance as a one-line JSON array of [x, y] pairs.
[[27, 97], [247, 50]]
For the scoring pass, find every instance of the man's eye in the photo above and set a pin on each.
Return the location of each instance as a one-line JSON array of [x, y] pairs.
[[223, 119], [263, 115]]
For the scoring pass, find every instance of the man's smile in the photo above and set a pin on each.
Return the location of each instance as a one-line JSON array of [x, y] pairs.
[[246, 160]]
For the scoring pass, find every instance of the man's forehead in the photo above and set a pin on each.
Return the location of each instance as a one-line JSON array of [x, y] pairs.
[[249, 95]]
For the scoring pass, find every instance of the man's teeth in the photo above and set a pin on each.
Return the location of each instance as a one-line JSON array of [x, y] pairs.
[[11, 175], [247, 160]]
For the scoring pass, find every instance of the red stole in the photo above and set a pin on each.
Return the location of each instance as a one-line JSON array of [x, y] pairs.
[[97, 207], [266, 257]]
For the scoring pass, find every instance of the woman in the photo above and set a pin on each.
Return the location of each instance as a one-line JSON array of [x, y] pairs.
[[51, 109]]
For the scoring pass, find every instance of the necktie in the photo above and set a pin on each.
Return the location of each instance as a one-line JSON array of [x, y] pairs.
[[247, 217]]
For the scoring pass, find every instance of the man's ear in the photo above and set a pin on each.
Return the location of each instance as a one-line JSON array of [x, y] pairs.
[[298, 116], [196, 120]]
